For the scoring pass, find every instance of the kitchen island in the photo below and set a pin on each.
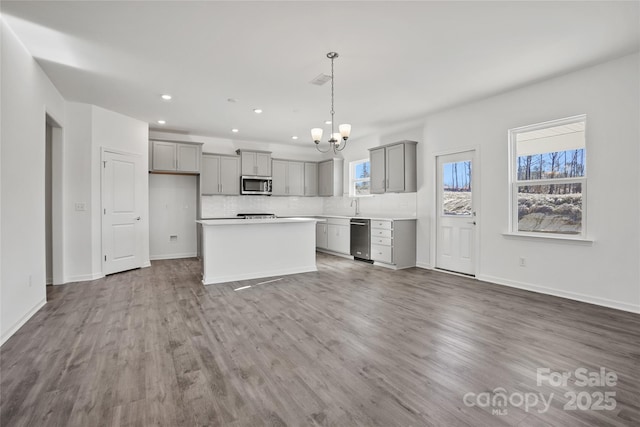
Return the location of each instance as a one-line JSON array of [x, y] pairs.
[[241, 249]]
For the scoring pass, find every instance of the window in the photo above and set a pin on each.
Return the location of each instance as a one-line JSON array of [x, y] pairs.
[[359, 173], [548, 178]]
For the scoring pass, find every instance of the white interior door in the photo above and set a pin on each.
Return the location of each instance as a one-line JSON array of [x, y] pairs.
[[456, 215], [121, 247]]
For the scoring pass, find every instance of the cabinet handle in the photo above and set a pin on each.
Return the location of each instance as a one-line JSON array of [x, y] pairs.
[[221, 188]]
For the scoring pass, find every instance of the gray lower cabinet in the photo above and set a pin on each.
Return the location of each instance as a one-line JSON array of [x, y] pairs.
[[393, 242], [334, 235], [220, 175], [339, 236], [322, 240], [178, 157], [288, 178], [393, 168], [330, 175]]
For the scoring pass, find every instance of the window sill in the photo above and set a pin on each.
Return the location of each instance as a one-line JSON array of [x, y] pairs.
[[550, 238]]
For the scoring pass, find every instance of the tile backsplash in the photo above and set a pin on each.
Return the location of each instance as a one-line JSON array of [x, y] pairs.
[[230, 206], [394, 204], [391, 204]]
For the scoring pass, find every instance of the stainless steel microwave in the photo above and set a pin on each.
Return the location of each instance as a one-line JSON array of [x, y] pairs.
[[260, 185]]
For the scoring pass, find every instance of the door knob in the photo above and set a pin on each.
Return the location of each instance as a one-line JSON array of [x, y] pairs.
[[138, 219]]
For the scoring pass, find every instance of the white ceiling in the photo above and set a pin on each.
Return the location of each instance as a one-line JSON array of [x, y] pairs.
[[398, 60]]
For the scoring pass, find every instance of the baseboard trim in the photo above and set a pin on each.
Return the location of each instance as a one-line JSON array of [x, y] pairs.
[[328, 252], [146, 264], [424, 265], [237, 277], [83, 278], [22, 321], [562, 294], [172, 256]]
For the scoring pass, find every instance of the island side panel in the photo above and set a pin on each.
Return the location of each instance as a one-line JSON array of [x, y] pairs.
[[244, 251]]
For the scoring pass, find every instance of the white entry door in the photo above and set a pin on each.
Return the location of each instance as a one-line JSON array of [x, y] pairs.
[[121, 239], [456, 216]]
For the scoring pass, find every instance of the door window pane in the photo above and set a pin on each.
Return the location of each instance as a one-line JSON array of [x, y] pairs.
[[456, 191]]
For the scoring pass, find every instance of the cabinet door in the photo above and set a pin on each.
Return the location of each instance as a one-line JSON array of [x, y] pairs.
[[377, 165], [395, 168], [229, 175], [321, 235], [248, 162], [295, 177], [339, 239], [210, 176], [164, 156], [325, 178], [263, 164], [382, 253], [188, 158], [279, 183], [310, 179]]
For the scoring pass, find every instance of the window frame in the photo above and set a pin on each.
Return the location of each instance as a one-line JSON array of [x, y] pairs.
[[514, 183], [353, 180]]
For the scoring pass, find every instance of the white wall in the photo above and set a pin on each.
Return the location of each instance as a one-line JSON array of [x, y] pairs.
[[78, 248], [173, 207], [604, 272], [89, 130], [27, 94], [121, 133]]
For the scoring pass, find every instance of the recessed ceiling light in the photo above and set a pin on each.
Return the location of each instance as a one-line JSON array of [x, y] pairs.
[[235, 130], [232, 100], [257, 110], [161, 122], [166, 97], [294, 137], [328, 122]]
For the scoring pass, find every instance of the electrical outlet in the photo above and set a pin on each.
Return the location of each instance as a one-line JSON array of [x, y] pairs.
[[523, 262], [173, 238], [81, 206]]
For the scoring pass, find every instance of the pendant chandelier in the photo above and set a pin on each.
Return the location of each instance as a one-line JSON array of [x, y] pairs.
[[337, 140]]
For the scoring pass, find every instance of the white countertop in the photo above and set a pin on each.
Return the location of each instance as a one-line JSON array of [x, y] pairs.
[[242, 221], [374, 217]]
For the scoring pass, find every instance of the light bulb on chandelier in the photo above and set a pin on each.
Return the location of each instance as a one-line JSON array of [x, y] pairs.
[[336, 138]]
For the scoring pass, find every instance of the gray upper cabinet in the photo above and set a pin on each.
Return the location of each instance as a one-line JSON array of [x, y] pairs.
[[330, 175], [255, 163], [288, 178], [393, 168], [166, 156], [377, 171], [279, 175], [220, 175], [296, 178], [310, 179]]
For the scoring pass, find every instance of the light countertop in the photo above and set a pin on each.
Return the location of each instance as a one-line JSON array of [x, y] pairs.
[[363, 216], [242, 221]]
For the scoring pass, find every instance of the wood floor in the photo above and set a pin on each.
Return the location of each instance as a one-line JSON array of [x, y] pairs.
[[350, 345]]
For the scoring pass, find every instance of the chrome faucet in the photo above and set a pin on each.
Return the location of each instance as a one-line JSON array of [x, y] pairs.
[[357, 201]]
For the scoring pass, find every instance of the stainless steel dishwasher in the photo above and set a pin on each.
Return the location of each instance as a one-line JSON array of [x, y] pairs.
[[361, 239]]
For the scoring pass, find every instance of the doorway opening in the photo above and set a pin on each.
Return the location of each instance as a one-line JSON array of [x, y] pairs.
[[53, 202]]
